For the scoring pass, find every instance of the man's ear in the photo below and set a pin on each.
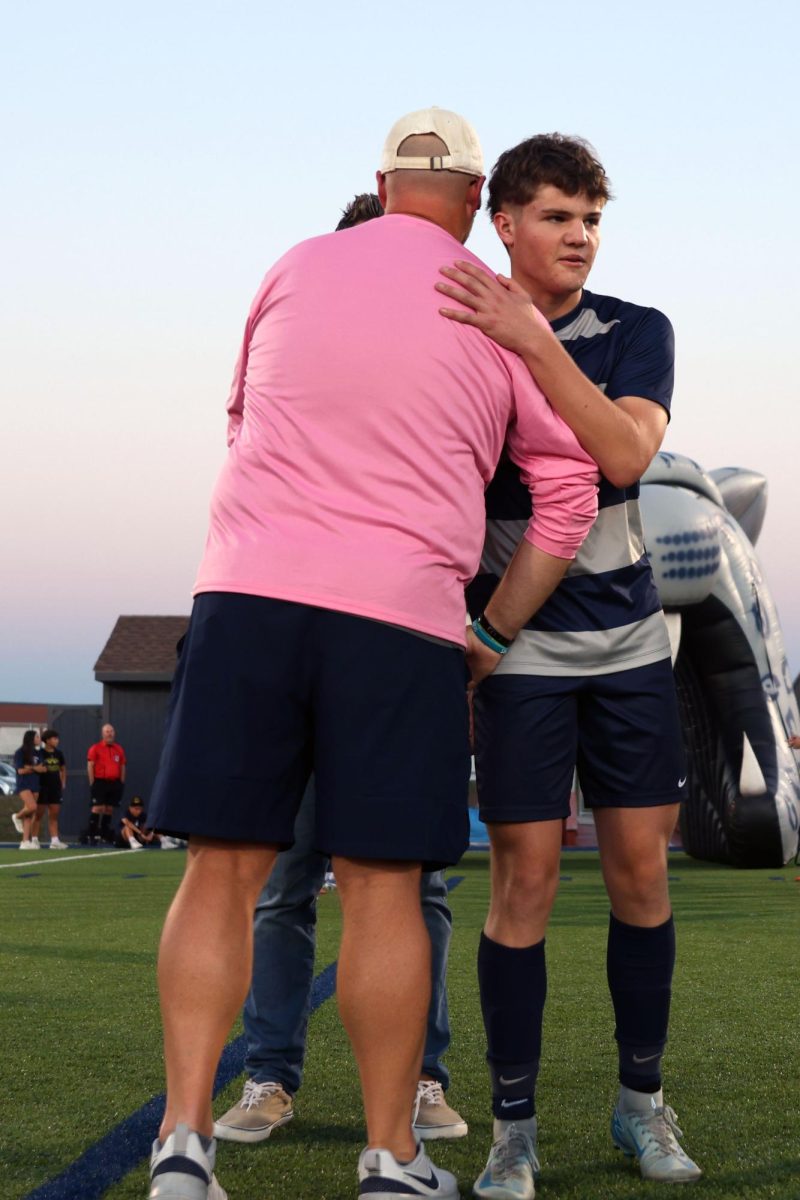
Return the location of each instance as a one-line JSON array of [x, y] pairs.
[[504, 226], [474, 191], [380, 179]]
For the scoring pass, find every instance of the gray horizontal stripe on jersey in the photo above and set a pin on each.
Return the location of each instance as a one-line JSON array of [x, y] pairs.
[[594, 652], [615, 540], [587, 324]]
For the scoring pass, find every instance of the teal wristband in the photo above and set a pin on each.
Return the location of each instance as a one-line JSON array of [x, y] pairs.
[[487, 639]]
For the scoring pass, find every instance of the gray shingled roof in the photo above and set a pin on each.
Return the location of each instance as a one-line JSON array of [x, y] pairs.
[[140, 650]]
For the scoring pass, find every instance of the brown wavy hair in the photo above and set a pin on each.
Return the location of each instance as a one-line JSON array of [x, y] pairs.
[[568, 163]]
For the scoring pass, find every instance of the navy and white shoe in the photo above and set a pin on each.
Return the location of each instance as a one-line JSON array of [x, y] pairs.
[[382, 1177], [651, 1135], [183, 1168]]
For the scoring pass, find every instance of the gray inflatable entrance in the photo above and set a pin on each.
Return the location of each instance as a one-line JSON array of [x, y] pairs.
[[736, 694]]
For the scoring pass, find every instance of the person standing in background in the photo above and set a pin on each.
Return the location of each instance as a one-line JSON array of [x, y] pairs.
[[106, 770], [51, 789], [28, 765]]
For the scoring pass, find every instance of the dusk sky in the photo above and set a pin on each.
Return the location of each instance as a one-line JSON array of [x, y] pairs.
[[158, 157]]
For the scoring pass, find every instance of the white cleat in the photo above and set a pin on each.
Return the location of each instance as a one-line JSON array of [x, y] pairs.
[[651, 1135], [511, 1168]]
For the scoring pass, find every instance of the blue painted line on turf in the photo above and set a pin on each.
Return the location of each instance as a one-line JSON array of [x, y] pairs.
[[123, 1148], [29, 875], [134, 877]]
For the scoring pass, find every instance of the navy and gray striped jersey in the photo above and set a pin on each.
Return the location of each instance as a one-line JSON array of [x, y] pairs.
[[605, 615]]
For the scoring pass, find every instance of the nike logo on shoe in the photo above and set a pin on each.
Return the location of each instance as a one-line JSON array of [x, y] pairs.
[[513, 1103], [508, 1082], [681, 782], [432, 1183], [648, 1058]]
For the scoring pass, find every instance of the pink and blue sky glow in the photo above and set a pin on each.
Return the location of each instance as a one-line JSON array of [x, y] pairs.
[[158, 158]]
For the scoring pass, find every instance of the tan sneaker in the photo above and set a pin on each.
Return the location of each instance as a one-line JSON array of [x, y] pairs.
[[433, 1117], [262, 1108]]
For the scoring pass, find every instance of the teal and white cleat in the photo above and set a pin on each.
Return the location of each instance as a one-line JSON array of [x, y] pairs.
[[512, 1165], [651, 1135]]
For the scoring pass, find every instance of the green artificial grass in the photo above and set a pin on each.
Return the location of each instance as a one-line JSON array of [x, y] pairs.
[[80, 1031]]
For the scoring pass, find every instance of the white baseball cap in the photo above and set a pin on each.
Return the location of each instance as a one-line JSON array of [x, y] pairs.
[[464, 152]]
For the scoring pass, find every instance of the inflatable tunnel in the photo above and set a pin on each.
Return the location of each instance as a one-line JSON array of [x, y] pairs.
[[737, 699]]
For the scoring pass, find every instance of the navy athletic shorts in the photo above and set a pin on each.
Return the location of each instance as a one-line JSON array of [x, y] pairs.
[[621, 730], [267, 691]]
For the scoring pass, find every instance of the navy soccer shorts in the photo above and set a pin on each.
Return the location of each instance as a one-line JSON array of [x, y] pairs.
[[267, 691], [621, 730]]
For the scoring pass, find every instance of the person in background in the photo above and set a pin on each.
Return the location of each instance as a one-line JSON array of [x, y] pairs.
[[105, 767], [277, 1008], [51, 789], [28, 765], [133, 831]]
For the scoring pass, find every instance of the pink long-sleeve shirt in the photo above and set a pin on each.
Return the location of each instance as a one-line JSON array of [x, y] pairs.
[[363, 429]]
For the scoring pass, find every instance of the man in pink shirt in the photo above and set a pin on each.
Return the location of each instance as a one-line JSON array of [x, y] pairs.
[[329, 614]]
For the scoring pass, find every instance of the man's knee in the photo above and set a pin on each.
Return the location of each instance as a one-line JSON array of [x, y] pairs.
[[241, 866], [366, 884]]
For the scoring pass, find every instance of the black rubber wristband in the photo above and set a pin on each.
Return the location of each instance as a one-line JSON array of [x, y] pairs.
[[487, 627]]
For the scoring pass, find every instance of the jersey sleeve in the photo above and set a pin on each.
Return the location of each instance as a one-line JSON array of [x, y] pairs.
[[19, 760], [92, 754], [646, 367], [559, 474]]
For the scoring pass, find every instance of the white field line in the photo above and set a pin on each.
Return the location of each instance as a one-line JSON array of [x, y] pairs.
[[58, 856]]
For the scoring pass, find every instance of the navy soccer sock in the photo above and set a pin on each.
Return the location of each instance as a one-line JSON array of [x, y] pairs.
[[513, 987], [640, 962]]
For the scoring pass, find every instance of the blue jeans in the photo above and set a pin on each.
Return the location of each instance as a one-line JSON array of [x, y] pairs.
[[276, 1011]]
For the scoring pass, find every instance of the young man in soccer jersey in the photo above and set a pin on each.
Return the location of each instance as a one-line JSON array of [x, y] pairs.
[[589, 679]]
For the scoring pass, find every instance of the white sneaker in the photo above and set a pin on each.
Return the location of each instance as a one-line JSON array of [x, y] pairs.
[[26, 845], [134, 845], [17, 823], [57, 844], [651, 1135], [35, 843], [382, 1177], [511, 1167], [182, 1169]]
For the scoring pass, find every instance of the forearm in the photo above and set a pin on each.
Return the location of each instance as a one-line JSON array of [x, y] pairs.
[[531, 576], [617, 442]]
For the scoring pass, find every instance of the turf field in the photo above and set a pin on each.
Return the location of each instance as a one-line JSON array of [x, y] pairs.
[[81, 1048]]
